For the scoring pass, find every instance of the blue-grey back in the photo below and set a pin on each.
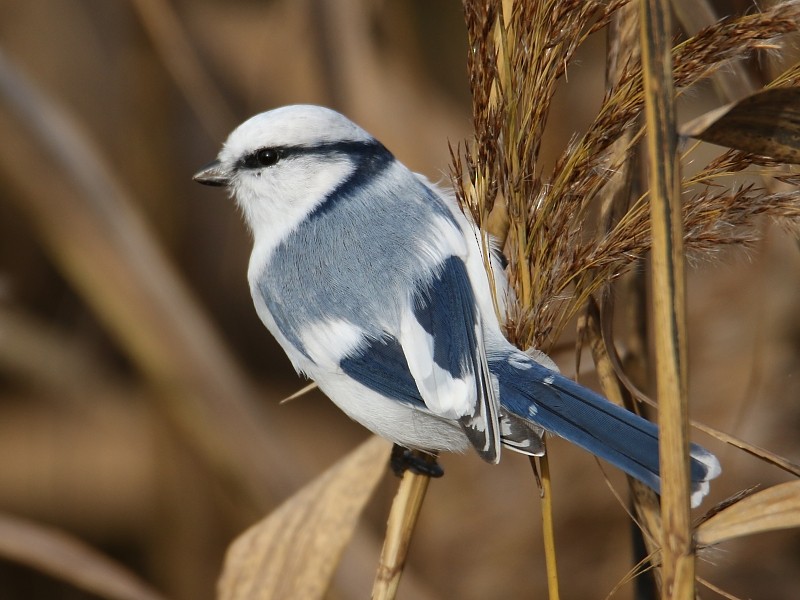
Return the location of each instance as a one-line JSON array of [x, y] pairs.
[[358, 254]]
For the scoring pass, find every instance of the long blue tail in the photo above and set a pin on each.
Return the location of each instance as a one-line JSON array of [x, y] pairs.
[[561, 406]]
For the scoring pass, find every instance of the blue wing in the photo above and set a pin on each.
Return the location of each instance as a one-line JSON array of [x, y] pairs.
[[381, 366], [437, 361], [446, 322]]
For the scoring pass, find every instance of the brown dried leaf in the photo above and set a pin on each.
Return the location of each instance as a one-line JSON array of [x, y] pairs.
[[777, 507], [293, 552], [766, 124]]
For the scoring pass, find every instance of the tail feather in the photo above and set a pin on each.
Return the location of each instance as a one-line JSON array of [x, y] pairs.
[[588, 420]]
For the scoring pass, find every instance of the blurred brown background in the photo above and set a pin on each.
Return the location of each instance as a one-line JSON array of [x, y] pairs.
[[98, 431]]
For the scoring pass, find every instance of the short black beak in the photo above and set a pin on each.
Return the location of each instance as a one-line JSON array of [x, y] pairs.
[[212, 174]]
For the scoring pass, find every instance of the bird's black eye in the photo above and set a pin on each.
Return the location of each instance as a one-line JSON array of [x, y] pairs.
[[265, 157]]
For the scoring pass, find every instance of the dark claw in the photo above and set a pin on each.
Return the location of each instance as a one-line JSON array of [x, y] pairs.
[[403, 460]]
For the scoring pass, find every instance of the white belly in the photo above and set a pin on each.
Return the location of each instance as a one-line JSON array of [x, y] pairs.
[[390, 419]]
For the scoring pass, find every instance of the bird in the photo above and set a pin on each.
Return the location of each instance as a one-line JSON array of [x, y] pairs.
[[373, 282]]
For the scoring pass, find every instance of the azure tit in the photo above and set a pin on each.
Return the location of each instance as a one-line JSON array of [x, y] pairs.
[[373, 282]]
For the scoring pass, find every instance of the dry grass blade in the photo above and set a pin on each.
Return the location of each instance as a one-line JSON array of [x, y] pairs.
[[64, 557], [300, 393], [766, 123], [757, 451], [641, 568], [713, 217], [403, 516], [717, 589], [777, 507], [294, 551]]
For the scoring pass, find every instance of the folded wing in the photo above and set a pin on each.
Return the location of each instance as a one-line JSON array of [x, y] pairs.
[[442, 339]]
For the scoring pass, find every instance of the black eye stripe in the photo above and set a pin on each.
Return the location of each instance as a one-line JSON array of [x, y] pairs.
[[263, 157], [268, 156]]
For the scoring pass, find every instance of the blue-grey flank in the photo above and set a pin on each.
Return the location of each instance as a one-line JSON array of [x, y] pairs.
[[322, 260]]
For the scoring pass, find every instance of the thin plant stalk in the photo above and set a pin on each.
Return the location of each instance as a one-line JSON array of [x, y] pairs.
[[669, 304], [624, 52], [403, 518], [548, 530], [644, 500]]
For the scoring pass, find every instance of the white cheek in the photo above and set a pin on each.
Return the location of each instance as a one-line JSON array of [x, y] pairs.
[[275, 200]]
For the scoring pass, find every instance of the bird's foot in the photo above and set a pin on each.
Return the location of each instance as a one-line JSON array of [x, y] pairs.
[[403, 460]]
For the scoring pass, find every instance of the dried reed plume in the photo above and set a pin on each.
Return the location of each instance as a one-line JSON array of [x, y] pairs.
[[560, 253], [557, 259]]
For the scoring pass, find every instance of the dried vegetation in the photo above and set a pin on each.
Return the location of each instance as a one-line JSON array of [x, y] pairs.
[[128, 422]]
